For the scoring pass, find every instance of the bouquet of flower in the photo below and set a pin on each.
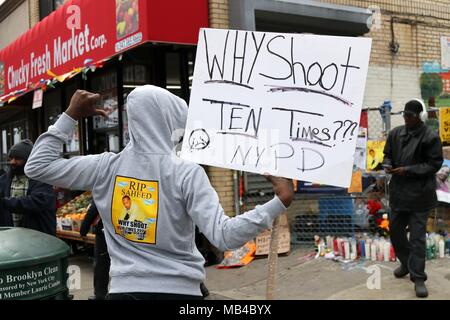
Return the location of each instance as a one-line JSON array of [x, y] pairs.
[[378, 218]]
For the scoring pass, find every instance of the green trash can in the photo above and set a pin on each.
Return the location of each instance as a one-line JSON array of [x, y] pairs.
[[33, 265]]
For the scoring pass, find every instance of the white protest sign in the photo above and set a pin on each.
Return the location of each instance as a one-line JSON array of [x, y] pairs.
[[285, 104]]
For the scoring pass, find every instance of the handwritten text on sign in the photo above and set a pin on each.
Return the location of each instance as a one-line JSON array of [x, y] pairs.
[[285, 104]]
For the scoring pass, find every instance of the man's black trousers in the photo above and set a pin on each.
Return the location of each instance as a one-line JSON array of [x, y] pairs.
[[412, 252]]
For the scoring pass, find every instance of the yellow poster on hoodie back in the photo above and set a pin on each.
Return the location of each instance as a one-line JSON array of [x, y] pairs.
[[134, 209]]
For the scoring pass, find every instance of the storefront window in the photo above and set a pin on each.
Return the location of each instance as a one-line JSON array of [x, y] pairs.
[[53, 109], [191, 60], [179, 68], [171, 65], [173, 73], [106, 86], [58, 3], [52, 106], [19, 131], [125, 132], [11, 134], [4, 155], [106, 131], [48, 6], [135, 74], [73, 144], [17, 135], [86, 133], [4, 142], [113, 142]]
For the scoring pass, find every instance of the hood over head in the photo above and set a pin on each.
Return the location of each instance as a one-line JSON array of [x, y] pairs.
[[155, 117]]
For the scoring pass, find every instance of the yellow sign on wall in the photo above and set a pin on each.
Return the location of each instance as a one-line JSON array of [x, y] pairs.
[[444, 124], [375, 154]]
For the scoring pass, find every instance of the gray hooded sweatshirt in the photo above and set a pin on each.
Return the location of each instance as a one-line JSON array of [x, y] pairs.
[[149, 200]]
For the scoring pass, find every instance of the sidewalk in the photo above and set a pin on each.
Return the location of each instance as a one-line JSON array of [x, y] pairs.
[[301, 277]]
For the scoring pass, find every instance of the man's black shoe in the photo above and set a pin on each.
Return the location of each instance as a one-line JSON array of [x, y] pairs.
[[204, 290], [401, 271], [421, 289]]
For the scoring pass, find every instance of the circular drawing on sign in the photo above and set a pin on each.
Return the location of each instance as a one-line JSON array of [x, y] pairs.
[[199, 139]]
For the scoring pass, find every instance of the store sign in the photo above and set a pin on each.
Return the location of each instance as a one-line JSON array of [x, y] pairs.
[[285, 104], [37, 98], [34, 282], [89, 31]]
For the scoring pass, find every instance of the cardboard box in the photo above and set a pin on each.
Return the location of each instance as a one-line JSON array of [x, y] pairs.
[[439, 220], [284, 238], [284, 220], [438, 225], [263, 241]]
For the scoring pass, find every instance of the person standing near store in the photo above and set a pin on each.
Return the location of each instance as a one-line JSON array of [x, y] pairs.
[[413, 155], [174, 196], [102, 261], [25, 202]]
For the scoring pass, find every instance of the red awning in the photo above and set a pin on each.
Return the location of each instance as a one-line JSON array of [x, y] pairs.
[[83, 33]]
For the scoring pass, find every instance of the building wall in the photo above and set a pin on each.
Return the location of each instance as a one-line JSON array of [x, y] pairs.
[[14, 25], [218, 14], [418, 26], [33, 12], [431, 8], [221, 179]]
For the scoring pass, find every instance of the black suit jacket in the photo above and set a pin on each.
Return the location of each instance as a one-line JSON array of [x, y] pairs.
[[420, 153]]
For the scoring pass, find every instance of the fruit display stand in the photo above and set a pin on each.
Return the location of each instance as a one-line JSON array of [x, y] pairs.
[[75, 236], [70, 216]]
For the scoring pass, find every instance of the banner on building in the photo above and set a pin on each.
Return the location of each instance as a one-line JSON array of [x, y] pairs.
[[284, 104], [444, 124], [445, 53]]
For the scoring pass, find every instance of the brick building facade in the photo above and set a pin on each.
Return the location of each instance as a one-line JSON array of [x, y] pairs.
[[221, 179], [417, 27]]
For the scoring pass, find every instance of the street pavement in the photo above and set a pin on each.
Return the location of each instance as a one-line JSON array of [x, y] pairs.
[[301, 277]]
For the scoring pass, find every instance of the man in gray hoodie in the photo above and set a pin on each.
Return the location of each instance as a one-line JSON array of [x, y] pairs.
[[153, 256]]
